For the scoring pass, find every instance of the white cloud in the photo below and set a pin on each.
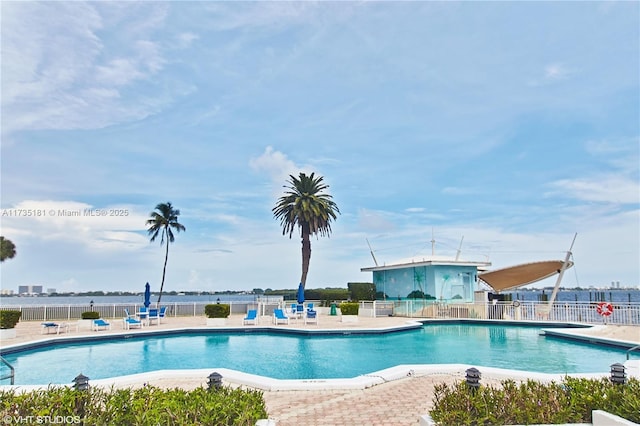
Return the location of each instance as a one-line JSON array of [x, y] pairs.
[[275, 164], [605, 188], [58, 73], [556, 72], [186, 39]]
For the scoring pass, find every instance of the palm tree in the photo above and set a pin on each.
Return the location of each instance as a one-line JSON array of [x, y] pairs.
[[306, 206], [162, 222], [7, 249]]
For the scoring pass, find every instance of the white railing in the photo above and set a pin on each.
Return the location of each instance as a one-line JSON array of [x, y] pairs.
[[623, 313], [69, 312]]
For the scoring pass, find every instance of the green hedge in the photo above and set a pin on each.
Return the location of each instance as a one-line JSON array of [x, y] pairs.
[[145, 406], [218, 310], [348, 308], [571, 401], [9, 318], [90, 315]]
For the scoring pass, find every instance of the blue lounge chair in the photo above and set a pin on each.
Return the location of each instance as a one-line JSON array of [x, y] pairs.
[[54, 326], [127, 314], [162, 313], [299, 310], [131, 323], [252, 317], [312, 316], [100, 323], [154, 315], [279, 316]]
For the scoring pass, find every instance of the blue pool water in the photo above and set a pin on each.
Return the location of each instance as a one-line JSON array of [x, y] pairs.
[[315, 357]]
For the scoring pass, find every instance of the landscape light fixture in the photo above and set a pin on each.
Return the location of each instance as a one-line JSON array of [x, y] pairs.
[[81, 382], [618, 375], [215, 381], [472, 376]]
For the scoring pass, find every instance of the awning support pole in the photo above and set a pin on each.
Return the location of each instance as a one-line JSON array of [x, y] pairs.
[[561, 272]]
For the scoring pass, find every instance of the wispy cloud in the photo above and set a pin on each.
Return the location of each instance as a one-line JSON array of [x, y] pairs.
[[556, 71], [605, 188], [77, 80]]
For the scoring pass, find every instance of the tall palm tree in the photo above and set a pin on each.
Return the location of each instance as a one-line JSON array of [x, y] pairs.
[[305, 206], [162, 222], [7, 249]]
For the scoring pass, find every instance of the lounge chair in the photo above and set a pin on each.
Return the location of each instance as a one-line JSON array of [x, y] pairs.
[[161, 314], [154, 315], [251, 318], [279, 316], [299, 310], [127, 314], [131, 323], [294, 309], [53, 326], [100, 323], [311, 317]]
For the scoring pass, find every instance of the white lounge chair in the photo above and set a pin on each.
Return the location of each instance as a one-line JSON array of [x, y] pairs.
[[128, 323], [251, 318], [280, 317], [101, 324]]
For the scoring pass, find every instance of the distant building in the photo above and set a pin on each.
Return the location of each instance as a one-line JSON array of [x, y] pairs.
[[51, 290], [439, 277], [6, 292], [30, 289]]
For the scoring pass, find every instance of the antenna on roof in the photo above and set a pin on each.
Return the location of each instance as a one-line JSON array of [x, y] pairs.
[[433, 243], [371, 251], [459, 249]]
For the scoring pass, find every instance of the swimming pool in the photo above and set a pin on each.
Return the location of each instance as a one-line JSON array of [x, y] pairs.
[[291, 356]]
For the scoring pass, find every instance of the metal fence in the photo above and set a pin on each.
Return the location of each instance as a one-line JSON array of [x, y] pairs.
[[70, 312], [622, 314]]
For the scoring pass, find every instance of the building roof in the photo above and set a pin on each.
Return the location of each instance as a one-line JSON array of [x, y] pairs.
[[427, 261], [521, 275]]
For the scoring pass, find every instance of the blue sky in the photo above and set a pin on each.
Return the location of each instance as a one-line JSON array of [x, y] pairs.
[[511, 125]]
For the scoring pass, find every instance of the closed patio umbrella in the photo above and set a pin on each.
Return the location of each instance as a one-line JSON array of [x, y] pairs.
[[300, 294], [147, 295]]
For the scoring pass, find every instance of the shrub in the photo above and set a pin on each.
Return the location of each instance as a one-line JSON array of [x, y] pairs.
[[144, 406], [90, 315], [218, 310], [532, 402], [9, 319], [348, 308]]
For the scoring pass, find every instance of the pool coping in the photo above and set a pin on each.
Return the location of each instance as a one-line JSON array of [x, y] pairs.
[[557, 329], [58, 339], [230, 376], [564, 334], [239, 378]]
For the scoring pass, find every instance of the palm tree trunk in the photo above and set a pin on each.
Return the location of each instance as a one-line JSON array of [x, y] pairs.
[[306, 254], [164, 271]]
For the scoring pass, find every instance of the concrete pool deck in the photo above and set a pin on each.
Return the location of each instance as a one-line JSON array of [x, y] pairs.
[[396, 396]]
